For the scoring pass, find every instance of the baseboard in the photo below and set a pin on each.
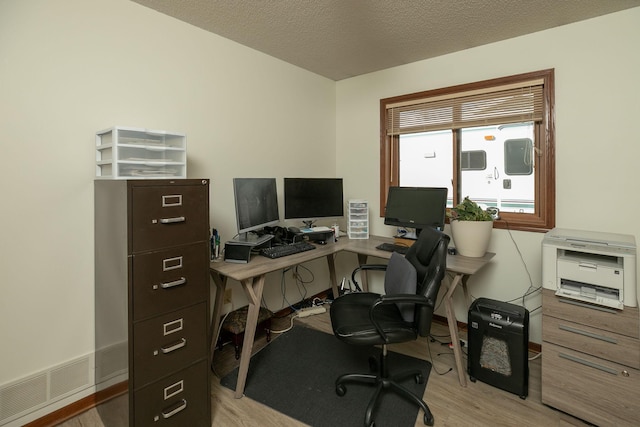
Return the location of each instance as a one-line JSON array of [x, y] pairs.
[[80, 406]]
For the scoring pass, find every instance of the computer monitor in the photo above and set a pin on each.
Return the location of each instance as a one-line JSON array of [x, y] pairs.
[[416, 207], [256, 202], [309, 199]]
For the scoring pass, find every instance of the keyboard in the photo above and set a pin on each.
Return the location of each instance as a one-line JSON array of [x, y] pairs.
[[285, 250], [391, 247]]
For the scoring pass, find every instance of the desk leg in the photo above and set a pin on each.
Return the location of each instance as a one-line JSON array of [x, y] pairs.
[[253, 290], [331, 260], [362, 259], [453, 330], [221, 284]]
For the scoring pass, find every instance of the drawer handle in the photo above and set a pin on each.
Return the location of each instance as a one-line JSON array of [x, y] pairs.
[[167, 285], [174, 347], [172, 220], [588, 334], [587, 363], [180, 406]]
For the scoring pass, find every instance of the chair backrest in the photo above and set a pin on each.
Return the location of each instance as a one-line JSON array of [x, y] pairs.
[[401, 277], [429, 257]]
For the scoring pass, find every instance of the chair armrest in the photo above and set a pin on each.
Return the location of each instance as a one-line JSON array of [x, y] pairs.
[[365, 267], [404, 298], [396, 299]]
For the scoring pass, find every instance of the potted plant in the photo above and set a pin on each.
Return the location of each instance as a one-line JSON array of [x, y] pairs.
[[471, 228]]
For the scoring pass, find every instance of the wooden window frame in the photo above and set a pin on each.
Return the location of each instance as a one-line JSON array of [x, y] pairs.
[[543, 219]]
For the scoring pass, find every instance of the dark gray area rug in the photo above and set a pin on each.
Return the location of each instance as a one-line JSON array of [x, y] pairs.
[[295, 374]]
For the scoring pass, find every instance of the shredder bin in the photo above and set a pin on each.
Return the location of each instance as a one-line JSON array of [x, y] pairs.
[[498, 340]]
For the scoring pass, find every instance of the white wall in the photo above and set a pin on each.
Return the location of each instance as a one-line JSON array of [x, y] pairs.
[[72, 67], [596, 148]]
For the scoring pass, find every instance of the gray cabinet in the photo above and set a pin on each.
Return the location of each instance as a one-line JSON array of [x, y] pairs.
[[591, 360], [152, 300]]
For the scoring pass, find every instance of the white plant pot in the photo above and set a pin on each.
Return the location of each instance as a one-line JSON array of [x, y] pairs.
[[471, 238]]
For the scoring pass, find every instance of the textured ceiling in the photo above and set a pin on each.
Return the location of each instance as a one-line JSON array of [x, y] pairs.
[[339, 39]]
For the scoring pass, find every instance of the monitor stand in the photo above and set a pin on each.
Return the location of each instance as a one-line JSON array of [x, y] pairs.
[[252, 239]]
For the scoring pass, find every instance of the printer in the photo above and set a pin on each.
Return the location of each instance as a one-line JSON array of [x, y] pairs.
[[593, 267]]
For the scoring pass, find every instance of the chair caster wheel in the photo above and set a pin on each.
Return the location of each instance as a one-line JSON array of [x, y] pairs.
[[428, 420], [341, 390], [419, 379]]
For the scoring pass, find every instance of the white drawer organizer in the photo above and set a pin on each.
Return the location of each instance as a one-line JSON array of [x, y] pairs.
[[135, 153], [358, 227]]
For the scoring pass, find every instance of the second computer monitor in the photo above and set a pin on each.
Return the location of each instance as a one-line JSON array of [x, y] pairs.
[[256, 202], [309, 199], [416, 208]]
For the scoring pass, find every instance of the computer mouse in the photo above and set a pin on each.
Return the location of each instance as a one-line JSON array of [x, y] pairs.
[[294, 230], [322, 242]]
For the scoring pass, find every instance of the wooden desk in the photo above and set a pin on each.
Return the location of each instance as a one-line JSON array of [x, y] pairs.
[[252, 276]]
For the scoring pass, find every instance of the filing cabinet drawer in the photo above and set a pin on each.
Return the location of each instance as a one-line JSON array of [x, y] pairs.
[[624, 322], [178, 400], [599, 391], [169, 279], [604, 344], [166, 343], [165, 216]]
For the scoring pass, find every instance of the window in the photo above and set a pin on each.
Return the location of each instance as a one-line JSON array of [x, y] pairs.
[[473, 160], [492, 141]]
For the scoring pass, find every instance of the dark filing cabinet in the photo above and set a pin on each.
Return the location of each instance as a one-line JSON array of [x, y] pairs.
[[152, 301]]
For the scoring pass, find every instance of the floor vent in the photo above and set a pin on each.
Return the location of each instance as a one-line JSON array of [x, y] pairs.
[[37, 391], [22, 396]]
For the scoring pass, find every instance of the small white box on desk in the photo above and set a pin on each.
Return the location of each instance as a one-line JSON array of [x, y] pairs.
[[358, 226]]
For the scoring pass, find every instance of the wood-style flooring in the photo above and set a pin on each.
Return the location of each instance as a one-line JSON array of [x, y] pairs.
[[478, 404]]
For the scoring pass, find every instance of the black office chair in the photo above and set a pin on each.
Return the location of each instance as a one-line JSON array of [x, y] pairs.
[[405, 311]]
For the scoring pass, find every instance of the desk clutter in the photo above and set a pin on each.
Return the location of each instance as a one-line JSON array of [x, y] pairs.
[[282, 241]]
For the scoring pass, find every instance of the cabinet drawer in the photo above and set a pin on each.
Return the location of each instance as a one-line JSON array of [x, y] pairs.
[[624, 322], [596, 342], [166, 343], [601, 392], [181, 399], [169, 279], [172, 215]]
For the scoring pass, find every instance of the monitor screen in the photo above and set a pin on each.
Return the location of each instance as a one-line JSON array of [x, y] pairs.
[[416, 207], [313, 198], [256, 203]]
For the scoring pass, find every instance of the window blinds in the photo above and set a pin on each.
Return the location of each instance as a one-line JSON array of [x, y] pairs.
[[513, 103]]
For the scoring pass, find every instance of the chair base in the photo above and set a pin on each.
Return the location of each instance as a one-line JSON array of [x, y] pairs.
[[384, 383]]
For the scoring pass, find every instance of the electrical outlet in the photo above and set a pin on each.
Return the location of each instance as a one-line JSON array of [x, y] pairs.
[[228, 296], [227, 308]]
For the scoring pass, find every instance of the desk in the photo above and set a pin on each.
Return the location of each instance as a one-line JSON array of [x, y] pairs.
[[252, 276]]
